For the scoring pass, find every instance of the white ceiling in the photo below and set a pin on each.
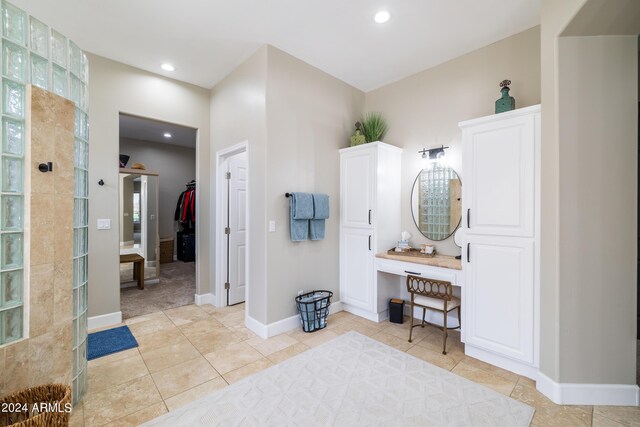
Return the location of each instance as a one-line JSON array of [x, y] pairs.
[[141, 129], [207, 39]]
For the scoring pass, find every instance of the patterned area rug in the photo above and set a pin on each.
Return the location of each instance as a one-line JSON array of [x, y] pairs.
[[352, 380]]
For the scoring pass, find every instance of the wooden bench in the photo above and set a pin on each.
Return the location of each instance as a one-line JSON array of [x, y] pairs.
[[138, 267]]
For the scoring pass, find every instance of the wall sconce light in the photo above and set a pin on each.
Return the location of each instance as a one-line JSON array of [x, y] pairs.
[[432, 155]]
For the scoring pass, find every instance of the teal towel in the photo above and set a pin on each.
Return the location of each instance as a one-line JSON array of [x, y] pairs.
[[320, 214], [320, 206], [301, 205], [316, 229]]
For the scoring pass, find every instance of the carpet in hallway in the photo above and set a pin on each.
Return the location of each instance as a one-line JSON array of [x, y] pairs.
[[177, 287]]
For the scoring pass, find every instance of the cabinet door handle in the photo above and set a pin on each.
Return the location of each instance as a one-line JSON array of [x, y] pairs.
[[413, 273], [369, 242], [369, 216], [468, 252], [468, 218]]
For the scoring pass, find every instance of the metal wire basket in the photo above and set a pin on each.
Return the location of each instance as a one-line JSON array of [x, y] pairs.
[[314, 309]]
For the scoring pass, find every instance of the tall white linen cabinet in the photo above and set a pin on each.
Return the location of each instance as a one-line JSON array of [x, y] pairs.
[[501, 252], [370, 190]]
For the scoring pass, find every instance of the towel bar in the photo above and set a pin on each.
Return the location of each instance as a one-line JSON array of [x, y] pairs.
[[288, 194]]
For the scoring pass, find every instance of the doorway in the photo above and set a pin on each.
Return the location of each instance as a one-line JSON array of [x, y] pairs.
[[232, 225], [157, 221]]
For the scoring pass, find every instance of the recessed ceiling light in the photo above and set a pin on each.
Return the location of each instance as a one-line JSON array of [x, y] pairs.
[[167, 135], [168, 67], [382, 16]]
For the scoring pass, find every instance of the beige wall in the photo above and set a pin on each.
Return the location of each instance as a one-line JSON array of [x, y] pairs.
[[176, 165], [238, 114], [423, 110], [295, 118], [554, 17], [582, 342], [310, 116], [115, 88], [45, 356], [598, 200]]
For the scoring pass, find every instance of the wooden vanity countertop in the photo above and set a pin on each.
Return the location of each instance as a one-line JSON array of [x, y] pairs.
[[442, 261]]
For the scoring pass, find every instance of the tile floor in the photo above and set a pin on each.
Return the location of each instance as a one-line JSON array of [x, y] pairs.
[[188, 352]]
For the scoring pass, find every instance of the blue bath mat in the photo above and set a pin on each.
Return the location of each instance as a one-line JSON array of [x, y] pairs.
[[110, 341]]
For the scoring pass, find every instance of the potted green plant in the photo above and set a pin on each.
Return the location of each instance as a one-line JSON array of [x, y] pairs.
[[374, 126]]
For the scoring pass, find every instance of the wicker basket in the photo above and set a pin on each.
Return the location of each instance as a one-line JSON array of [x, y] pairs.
[[57, 397]]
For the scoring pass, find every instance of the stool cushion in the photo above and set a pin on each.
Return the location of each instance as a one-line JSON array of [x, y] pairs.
[[436, 303]]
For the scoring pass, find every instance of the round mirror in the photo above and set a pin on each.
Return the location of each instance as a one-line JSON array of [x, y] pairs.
[[436, 201]]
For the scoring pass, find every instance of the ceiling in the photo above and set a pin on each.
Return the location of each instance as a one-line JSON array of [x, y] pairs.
[[141, 129], [207, 39]]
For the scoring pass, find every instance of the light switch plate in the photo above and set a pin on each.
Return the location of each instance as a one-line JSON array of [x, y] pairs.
[[272, 226], [104, 224]]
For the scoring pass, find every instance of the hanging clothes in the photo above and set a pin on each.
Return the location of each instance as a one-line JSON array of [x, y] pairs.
[[185, 212]]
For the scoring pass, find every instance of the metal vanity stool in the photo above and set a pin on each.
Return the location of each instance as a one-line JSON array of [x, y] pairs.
[[433, 294]]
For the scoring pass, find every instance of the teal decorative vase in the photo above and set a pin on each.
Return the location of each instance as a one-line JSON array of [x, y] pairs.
[[506, 102]]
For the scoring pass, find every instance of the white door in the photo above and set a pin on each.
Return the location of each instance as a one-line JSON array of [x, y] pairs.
[[237, 228], [356, 268], [499, 193], [499, 295], [357, 175]]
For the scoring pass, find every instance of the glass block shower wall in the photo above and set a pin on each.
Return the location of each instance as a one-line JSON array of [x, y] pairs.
[[434, 201], [33, 53]]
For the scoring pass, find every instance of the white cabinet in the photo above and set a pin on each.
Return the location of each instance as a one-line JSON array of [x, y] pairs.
[[356, 272], [499, 296], [357, 182], [500, 199], [369, 220], [498, 165]]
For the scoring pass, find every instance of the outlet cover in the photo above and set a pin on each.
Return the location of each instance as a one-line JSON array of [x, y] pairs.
[[104, 224]]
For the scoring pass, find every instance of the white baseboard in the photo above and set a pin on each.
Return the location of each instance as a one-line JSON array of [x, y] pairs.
[[281, 326], [104, 320], [374, 317], [588, 394], [335, 307], [258, 328], [507, 363], [127, 243], [205, 299]]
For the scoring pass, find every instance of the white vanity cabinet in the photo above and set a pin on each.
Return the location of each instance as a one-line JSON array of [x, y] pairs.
[[370, 188], [501, 206]]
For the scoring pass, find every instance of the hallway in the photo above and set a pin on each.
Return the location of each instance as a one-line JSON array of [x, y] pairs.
[[177, 288]]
